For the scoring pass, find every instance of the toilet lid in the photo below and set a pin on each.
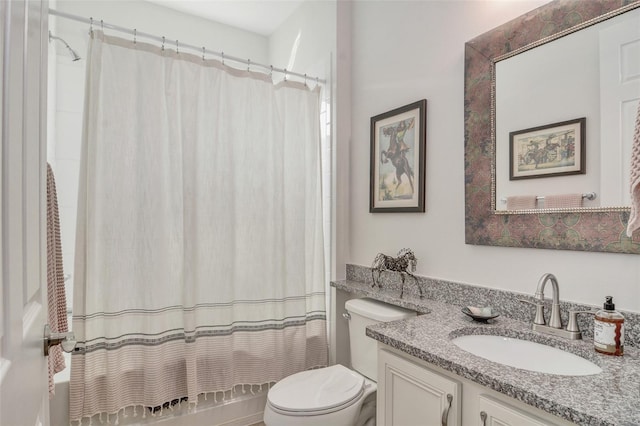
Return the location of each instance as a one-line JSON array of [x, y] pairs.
[[317, 390]]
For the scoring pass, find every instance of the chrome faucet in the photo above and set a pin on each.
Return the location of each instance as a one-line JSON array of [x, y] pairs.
[[555, 323], [554, 319]]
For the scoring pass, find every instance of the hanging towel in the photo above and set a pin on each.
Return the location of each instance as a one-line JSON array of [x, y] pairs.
[[521, 202], [56, 298], [562, 201], [634, 216]]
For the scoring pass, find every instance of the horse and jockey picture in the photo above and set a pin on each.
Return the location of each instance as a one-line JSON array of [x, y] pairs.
[[546, 151], [397, 159]]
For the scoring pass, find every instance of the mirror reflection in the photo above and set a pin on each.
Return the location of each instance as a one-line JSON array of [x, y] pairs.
[[593, 74]]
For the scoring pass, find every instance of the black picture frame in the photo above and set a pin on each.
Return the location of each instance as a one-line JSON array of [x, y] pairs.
[[556, 149], [398, 158]]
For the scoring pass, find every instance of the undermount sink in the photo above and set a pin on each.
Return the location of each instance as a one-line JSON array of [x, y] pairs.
[[526, 355]]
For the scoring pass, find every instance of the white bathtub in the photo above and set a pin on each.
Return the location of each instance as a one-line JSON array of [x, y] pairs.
[[241, 410], [59, 404]]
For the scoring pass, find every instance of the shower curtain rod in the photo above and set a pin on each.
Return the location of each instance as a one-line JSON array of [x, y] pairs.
[[135, 33]]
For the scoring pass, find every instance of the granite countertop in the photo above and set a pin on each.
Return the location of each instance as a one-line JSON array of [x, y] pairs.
[[609, 398]]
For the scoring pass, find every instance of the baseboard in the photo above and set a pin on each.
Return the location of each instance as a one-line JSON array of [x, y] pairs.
[[245, 421]]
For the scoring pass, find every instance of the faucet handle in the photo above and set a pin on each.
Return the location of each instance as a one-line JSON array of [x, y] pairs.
[[539, 318], [572, 325]]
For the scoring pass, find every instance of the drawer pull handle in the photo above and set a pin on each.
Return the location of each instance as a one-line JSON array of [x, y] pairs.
[[445, 414], [483, 417]]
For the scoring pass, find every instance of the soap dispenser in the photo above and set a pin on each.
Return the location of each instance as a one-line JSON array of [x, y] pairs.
[[608, 329]]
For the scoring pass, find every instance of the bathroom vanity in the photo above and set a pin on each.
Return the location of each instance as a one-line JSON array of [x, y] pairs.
[[422, 374], [413, 392]]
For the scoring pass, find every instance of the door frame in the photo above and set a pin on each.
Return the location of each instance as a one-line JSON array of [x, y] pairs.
[[23, 366]]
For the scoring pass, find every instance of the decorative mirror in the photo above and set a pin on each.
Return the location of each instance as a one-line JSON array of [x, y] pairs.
[[598, 226]]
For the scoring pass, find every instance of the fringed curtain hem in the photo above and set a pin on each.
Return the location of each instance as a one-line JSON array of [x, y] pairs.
[[176, 405], [153, 375]]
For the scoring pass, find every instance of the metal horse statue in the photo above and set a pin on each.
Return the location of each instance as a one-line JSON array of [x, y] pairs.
[[401, 264]]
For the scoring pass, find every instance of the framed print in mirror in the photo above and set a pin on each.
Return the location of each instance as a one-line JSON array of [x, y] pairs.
[[398, 156], [551, 150]]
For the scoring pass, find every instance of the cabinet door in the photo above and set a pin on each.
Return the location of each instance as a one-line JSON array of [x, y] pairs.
[[496, 413], [411, 395]]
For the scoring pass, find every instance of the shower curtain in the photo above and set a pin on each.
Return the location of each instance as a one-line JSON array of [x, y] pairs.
[[199, 253]]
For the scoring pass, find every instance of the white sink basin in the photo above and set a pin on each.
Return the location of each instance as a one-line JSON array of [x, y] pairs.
[[526, 355]]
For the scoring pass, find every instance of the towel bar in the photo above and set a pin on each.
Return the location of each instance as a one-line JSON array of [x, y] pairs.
[[587, 195]]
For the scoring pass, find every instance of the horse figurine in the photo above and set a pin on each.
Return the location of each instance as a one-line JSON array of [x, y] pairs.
[[401, 263]]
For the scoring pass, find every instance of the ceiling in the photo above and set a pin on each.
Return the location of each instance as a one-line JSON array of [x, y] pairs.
[[258, 16]]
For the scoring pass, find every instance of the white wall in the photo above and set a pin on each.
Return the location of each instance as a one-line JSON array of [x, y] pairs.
[[158, 20], [562, 81], [406, 51], [558, 87], [305, 41]]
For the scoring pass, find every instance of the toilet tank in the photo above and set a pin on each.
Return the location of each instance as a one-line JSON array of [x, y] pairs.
[[364, 350]]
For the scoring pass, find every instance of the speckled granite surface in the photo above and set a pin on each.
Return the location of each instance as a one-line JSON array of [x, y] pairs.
[[506, 303], [609, 398]]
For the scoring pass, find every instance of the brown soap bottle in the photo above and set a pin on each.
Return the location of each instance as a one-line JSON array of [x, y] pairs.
[[608, 329]]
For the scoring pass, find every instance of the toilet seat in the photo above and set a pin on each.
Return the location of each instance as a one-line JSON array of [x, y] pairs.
[[336, 388]]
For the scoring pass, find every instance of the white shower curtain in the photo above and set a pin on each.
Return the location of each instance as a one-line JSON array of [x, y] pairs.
[[199, 260]]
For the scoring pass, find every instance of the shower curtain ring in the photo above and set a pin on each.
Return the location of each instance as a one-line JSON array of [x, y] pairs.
[[203, 53], [91, 25], [305, 79], [248, 64], [101, 25], [222, 54], [177, 48], [135, 35], [271, 72], [285, 74], [162, 43]]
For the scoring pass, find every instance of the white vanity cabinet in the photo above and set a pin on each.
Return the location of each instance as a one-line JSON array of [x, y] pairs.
[[492, 412], [411, 395], [412, 392]]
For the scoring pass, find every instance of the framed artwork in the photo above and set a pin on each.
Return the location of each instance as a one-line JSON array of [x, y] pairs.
[[398, 156], [552, 150]]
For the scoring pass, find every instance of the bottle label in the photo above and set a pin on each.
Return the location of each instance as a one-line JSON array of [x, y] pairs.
[[604, 334]]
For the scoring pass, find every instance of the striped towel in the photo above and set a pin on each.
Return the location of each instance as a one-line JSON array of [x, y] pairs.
[[56, 299], [562, 201], [521, 202], [634, 217]]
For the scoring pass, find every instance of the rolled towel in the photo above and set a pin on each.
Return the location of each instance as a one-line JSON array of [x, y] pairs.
[[634, 216], [521, 202], [562, 201]]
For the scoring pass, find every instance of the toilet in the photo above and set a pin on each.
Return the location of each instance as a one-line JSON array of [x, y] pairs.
[[336, 395]]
